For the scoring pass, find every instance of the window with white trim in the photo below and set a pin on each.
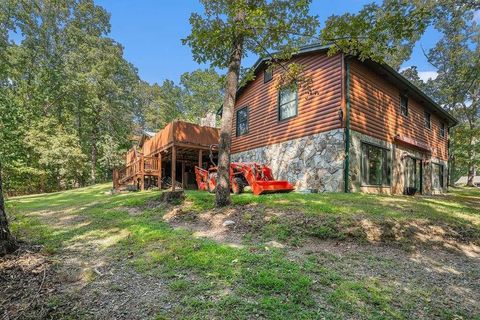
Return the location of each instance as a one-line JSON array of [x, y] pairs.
[[287, 102]]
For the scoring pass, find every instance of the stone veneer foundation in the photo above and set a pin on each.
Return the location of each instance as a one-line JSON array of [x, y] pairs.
[[312, 163], [316, 163]]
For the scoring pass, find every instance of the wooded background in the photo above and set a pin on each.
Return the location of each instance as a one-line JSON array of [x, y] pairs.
[[70, 104]]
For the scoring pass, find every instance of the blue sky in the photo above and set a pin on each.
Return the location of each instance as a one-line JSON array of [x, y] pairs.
[[151, 30]]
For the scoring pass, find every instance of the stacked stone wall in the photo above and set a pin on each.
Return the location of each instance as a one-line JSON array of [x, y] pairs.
[[312, 163]]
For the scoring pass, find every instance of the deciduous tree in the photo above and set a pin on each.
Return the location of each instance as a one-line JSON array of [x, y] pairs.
[[226, 32], [202, 92], [457, 87]]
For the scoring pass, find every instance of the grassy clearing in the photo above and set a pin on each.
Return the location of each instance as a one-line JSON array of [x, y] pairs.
[[207, 279]]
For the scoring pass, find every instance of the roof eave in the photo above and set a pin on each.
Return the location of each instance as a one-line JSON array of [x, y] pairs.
[[452, 120], [316, 48]]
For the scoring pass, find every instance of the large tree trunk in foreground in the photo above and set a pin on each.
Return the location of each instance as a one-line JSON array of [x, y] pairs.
[[7, 242], [223, 178]]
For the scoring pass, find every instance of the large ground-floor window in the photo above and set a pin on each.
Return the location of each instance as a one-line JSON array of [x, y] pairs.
[[437, 176], [376, 164]]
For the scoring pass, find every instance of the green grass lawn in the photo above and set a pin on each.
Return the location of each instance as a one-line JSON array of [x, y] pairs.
[[208, 279]]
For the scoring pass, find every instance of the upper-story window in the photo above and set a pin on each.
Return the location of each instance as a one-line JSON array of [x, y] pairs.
[[442, 129], [426, 119], [242, 121], [404, 105], [287, 102], [267, 75]]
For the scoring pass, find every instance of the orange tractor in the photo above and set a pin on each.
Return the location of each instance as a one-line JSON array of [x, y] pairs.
[[258, 177]]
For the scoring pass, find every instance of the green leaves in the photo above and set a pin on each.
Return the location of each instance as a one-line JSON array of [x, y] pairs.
[[267, 26], [227, 32], [384, 33], [64, 87], [198, 94]]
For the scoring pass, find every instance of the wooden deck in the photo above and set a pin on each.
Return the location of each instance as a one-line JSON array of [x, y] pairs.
[[155, 162]]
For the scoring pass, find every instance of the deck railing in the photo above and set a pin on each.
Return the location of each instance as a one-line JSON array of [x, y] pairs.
[[142, 165]]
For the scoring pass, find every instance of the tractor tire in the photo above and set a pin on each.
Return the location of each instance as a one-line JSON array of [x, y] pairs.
[[237, 186], [212, 177]]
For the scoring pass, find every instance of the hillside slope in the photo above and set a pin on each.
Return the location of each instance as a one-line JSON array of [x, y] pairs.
[[87, 254]]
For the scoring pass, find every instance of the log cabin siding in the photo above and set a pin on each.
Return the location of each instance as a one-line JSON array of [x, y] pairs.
[[318, 108], [375, 111]]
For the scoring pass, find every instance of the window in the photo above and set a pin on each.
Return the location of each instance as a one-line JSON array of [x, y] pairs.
[[426, 119], [442, 130], [242, 121], [437, 176], [404, 105], [267, 75], [287, 102], [375, 165]]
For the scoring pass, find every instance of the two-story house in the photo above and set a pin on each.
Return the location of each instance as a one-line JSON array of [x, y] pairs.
[[357, 126]]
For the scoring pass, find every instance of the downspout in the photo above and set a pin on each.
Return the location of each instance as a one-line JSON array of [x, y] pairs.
[[346, 173]]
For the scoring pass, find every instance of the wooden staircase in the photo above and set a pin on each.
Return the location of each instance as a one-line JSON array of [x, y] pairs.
[[136, 171]]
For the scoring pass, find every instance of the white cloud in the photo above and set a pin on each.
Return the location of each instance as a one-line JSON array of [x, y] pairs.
[[425, 75]]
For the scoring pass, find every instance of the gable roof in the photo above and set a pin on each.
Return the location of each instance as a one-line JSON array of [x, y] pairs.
[[382, 68]]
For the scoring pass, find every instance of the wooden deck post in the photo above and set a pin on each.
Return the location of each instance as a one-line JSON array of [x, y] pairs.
[[142, 173], [160, 170], [200, 156], [174, 166], [183, 174]]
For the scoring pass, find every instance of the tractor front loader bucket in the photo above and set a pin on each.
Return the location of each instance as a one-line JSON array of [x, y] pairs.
[[272, 186]]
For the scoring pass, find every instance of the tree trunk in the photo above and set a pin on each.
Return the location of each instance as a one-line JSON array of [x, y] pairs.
[[223, 178], [93, 157], [7, 242], [93, 173], [472, 172]]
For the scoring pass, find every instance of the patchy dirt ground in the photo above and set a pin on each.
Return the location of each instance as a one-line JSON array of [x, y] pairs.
[[83, 280], [88, 277], [256, 222], [26, 283], [442, 267], [35, 287]]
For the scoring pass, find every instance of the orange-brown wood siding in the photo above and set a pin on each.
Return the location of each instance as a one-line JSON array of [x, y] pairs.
[[375, 111], [318, 108]]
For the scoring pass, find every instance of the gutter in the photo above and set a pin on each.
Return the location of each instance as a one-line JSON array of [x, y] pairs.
[[346, 173]]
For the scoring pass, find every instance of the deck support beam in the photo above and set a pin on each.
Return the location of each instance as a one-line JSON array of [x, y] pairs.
[[200, 158], [142, 173], [183, 175], [174, 166], [159, 182]]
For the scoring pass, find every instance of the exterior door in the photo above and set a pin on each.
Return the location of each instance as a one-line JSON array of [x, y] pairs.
[[413, 174]]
